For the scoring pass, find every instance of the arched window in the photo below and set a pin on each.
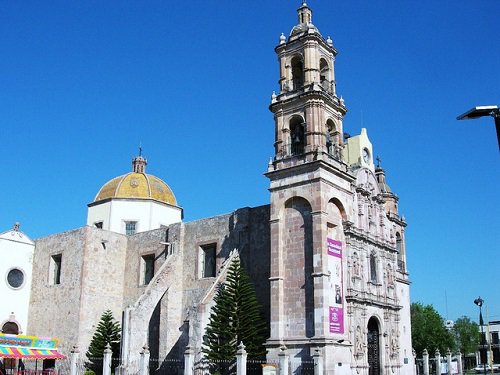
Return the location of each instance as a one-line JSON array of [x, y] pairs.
[[11, 328], [324, 75], [297, 135], [333, 145], [399, 249], [297, 72], [373, 268]]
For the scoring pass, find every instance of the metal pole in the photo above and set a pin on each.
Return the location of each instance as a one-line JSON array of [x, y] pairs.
[[482, 335], [497, 126]]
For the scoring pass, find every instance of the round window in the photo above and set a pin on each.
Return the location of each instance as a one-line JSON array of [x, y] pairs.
[[15, 278]]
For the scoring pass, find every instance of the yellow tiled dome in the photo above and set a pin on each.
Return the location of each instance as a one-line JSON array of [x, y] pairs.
[[137, 185]]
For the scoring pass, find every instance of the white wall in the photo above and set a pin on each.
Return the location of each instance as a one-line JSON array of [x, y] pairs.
[[16, 251], [148, 214]]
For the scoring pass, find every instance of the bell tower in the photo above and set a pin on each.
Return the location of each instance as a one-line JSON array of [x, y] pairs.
[[311, 197], [307, 112]]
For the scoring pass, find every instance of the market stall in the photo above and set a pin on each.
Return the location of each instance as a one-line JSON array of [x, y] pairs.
[[28, 354]]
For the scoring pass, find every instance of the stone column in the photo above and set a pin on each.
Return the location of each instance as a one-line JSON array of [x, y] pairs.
[[144, 361], [437, 358], [241, 360], [75, 356], [106, 361], [188, 361], [283, 361], [318, 362], [425, 358]]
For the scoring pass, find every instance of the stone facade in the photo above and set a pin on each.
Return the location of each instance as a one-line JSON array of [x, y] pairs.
[[327, 255]]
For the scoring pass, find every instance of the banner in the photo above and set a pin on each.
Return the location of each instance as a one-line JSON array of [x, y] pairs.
[[336, 309], [28, 341]]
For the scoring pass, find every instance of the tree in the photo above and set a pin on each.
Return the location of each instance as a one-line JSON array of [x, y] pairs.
[[235, 318], [467, 335], [107, 332], [428, 330]]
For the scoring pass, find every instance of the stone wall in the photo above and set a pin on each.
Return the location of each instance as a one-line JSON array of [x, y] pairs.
[[92, 262]]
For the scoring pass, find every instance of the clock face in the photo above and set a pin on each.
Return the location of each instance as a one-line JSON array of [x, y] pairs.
[[366, 155]]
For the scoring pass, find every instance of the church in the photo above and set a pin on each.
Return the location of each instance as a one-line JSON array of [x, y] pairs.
[[326, 254]]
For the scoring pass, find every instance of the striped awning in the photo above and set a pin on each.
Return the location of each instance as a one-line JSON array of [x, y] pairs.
[[20, 352]]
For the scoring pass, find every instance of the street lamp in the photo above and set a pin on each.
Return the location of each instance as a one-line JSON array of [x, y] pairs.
[[482, 111], [479, 301]]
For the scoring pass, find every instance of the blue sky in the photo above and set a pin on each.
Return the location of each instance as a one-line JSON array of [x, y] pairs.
[[83, 83]]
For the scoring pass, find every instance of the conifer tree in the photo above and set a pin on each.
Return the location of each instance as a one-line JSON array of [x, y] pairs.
[[235, 318], [107, 332]]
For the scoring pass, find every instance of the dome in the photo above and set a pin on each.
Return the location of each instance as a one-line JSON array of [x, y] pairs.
[[137, 185]]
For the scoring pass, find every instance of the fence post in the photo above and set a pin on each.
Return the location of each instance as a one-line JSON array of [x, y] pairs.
[[75, 356], [448, 360], [459, 363], [144, 361], [437, 357], [414, 357], [106, 361], [188, 361], [318, 362], [241, 360], [425, 357], [283, 360]]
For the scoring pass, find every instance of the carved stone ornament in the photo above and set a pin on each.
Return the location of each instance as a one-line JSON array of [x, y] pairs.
[[134, 182], [360, 349]]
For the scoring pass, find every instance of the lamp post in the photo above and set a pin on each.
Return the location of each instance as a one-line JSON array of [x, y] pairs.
[[482, 111], [479, 301]]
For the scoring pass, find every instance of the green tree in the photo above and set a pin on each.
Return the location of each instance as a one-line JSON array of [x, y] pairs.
[[467, 335], [428, 330], [235, 318], [107, 332]]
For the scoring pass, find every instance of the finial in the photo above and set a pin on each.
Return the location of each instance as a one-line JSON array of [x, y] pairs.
[[379, 161], [329, 41], [282, 38], [140, 148], [16, 227]]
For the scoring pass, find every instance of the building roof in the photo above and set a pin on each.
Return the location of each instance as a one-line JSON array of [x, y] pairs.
[[137, 185], [16, 235]]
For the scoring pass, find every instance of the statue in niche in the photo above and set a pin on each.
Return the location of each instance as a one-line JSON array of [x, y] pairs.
[[394, 346], [390, 276], [359, 342], [355, 266]]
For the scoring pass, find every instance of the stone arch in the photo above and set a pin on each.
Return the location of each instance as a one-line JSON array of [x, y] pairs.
[[296, 125], [297, 71], [338, 204], [373, 346], [325, 75], [297, 244]]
